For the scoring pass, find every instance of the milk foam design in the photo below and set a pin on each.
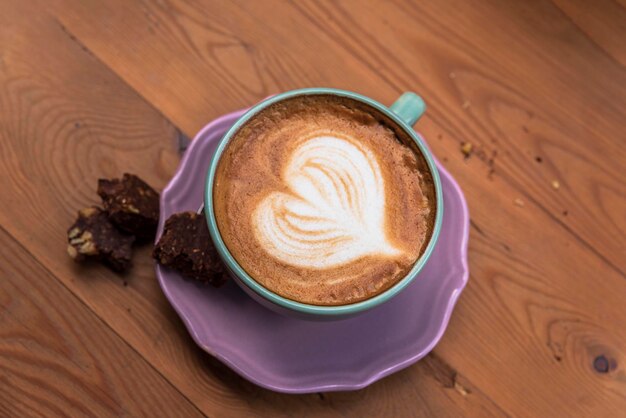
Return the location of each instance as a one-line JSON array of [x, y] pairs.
[[335, 212]]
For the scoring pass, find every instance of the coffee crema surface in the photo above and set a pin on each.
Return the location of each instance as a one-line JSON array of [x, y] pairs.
[[323, 200]]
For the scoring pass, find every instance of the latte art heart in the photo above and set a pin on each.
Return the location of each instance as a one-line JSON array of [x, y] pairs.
[[335, 211], [323, 200]]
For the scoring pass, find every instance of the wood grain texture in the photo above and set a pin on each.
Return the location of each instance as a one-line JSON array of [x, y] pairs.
[[602, 22], [512, 95], [58, 359], [539, 89], [76, 122]]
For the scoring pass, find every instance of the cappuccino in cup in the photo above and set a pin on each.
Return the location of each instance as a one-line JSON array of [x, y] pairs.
[[324, 200]]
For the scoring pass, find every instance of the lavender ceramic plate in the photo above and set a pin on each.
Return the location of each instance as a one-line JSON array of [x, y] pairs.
[[296, 356]]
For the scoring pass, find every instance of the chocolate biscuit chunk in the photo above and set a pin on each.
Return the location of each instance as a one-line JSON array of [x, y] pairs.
[[186, 247], [93, 236], [133, 205]]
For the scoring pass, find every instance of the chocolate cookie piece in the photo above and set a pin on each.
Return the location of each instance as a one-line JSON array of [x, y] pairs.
[[94, 236], [186, 247], [133, 205]]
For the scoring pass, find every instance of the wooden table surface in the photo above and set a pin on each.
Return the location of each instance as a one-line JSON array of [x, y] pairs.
[[92, 88]]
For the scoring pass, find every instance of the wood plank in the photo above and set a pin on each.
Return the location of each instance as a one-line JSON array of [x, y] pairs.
[[528, 323], [602, 21], [58, 359], [511, 95], [516, 321], [75, 122]]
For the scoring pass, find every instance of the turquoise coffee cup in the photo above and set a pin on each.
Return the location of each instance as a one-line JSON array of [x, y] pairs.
[[404, 112]]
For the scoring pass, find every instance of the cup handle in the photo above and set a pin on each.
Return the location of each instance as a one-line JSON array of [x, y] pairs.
[[409, 107]]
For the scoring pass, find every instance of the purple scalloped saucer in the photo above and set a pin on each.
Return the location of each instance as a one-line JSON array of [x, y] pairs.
[[297, 356]]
